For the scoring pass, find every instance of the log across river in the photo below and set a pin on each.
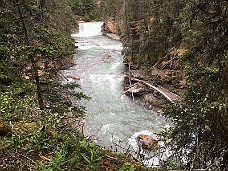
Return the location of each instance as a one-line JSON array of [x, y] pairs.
[[111, 116]]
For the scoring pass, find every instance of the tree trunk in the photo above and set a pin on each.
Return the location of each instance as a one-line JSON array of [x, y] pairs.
[[34, 65], [42, 4]]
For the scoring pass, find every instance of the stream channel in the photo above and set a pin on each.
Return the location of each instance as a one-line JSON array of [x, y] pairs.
[[111, 117]]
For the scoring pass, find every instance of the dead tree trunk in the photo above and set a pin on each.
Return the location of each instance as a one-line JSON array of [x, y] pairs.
[[155, 88]]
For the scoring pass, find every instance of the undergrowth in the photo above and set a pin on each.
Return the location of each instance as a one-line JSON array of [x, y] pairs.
[[33, 146]]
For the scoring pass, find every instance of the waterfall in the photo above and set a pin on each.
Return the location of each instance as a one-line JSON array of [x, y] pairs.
[[88, 30]]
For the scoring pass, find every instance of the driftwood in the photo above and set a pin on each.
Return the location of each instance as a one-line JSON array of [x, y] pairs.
[[155, 88], [134, 89]]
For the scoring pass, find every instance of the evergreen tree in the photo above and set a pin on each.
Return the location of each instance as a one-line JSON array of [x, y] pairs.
[[200, 122], [86, 9], [34, 35]]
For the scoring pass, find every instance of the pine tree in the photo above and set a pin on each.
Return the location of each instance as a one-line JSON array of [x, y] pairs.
[[200, 122], [32, 42]]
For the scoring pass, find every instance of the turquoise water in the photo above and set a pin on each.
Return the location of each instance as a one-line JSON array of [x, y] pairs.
[[111, 116]]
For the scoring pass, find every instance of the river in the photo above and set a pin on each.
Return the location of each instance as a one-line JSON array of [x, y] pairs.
[[111, 116]]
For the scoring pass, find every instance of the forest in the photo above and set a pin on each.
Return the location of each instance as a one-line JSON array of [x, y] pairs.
[[37, 113]]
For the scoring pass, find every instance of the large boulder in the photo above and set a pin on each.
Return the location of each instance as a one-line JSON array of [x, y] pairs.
[[147, 142], [145, 148]]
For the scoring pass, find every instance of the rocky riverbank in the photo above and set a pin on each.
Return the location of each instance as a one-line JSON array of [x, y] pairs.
[[166, 76]]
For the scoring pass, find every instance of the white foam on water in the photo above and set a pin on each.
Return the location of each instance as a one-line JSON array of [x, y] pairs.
[[118, 47], [86, 46], [102, 77], [105, 128]]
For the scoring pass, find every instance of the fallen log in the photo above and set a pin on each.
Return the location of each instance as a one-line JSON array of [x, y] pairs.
[[155, 88]]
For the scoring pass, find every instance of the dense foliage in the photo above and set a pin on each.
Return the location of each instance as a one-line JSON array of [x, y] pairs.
[[200, 122], [34, 42], [150, 30], [31, 42], [86, 10]]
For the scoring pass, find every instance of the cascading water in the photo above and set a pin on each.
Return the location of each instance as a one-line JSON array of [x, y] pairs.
[[111, 116], [88, 29]]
